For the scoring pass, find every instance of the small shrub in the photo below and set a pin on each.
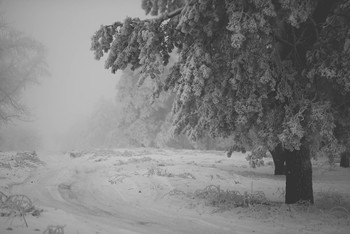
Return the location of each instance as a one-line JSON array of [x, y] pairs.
[[57, 229], [76, 154], [139, 160], [329, 199], [228, 199], [159, 172], [5, 165], [17, 206], [186, 175], [175, 192], [127, 153], [27, 159], [256, 163], [340, 212], [118, 178]]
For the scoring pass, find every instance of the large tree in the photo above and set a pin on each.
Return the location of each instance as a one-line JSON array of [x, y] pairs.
[[271, 73], [22, 62]]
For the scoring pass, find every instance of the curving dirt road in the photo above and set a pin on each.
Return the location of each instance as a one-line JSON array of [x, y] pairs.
[[152, 191], [79, 187]]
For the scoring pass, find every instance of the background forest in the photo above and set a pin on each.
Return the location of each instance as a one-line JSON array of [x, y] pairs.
[[132, 120]]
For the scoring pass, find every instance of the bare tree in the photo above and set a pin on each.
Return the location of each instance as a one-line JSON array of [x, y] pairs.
[[22, 61]]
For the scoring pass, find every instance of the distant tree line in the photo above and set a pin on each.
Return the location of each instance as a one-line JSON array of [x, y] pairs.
[[135, 119]]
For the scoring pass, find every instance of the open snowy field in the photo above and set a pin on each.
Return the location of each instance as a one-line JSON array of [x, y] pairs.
[[162, 191]]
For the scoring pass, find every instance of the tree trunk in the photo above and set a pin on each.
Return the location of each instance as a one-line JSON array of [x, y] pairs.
[[298, 176], [279, 159], [344, 160]]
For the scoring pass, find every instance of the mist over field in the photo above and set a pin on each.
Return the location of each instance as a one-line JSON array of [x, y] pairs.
[[76, 82]]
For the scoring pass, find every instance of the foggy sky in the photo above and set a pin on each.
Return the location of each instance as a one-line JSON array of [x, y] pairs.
[[77, 81]]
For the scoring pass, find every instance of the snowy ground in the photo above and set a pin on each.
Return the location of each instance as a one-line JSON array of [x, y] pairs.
[[166, 191]]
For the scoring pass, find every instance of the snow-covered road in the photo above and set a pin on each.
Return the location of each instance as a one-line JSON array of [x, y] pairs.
[[131, 193], [79, 187]]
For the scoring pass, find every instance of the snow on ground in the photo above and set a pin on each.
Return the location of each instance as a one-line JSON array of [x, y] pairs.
[[166, 191]]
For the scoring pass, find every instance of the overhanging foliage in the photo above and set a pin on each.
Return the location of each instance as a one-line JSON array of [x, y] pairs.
[[268, 72]]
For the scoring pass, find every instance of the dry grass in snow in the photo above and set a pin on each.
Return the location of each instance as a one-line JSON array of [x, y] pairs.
[[162, 191]]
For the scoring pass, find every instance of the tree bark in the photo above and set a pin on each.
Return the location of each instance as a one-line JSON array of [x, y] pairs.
[[344, 160], [279, 159], [298, 176]]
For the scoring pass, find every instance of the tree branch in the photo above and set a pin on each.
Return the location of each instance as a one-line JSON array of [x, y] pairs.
[[173, 13], [162, 17]]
